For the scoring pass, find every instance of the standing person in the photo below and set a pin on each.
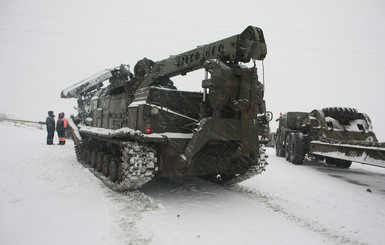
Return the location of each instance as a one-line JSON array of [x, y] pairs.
[[50, 122], [61, 127]]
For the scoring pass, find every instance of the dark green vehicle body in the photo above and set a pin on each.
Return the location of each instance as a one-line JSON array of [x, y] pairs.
[[215, 134]]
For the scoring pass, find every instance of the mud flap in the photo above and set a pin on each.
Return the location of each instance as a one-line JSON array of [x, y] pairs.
[[212, 129]]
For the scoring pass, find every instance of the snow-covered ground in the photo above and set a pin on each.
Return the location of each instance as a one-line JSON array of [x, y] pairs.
[[47, 197]]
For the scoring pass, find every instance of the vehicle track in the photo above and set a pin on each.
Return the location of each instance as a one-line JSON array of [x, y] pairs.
[[272, 203]]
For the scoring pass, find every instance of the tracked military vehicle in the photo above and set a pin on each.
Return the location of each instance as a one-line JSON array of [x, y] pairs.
[[140, 126], [337, 135]]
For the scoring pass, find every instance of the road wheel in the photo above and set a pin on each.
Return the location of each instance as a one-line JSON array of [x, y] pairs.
[[329, 161], [87, 156], [99, 161], [93, 159], [113, 171], [297, 149], [106, 165]]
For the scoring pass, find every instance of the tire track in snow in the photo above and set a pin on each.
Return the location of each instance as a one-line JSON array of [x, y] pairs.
[[127, 212], [305, 222]]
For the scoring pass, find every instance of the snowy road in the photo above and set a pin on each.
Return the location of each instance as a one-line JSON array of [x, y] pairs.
[[46, 197]]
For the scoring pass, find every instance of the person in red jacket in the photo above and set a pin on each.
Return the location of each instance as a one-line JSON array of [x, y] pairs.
[[61, 127]]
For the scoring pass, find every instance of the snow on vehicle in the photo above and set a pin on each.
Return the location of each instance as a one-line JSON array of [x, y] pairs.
[[140, 126], [338, 135]]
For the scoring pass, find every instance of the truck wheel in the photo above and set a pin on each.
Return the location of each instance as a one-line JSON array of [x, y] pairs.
[[287, 147], [341, 113], [282, 148], [297, 149], [279, 149]]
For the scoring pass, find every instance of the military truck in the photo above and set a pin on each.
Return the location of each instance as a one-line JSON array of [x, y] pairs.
[[337, 135], [140, 126]]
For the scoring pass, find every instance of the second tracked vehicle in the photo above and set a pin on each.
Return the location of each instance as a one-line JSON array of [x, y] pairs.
[[140, 126]]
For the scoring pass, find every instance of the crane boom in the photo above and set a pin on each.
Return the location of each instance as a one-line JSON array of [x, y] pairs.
[[250, 44], [86, 85]]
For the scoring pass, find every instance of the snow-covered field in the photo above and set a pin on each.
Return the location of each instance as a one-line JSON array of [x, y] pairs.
[[47, 197]]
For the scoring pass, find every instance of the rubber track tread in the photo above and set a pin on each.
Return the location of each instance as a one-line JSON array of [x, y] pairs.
[[252, 171], [138, 165]]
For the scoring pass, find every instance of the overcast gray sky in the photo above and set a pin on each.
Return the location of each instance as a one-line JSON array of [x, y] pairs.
[[320, 53]]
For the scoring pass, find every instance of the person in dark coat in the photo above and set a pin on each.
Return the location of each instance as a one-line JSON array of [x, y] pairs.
[[61, 128], [50, 122]]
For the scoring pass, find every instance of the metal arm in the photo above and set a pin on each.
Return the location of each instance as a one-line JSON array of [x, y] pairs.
[[86, 85], [250, 44]]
